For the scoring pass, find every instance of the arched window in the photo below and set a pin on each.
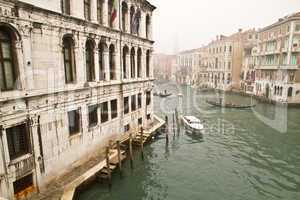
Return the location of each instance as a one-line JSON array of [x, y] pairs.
[[148, 63], [125, 53], [112, 62], [139, 63], [148, 24], [137, 22], [65, 7], [132, 11], [87, 10], [69, 59], [100, 11], [89, 60], [102, 49], [132, 62], [112, 12], [124, 16], [7, 60], [290, 92]]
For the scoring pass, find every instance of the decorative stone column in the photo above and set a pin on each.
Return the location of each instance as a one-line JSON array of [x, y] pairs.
[[96, 64], [94, 11], [106, 66], [76, 8], [142, 30], [128, 66], [105, 12]]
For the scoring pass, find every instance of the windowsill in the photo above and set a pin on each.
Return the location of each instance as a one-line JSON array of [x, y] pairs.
[[104, 123], [93, 128], [76, 135], [20, 158]]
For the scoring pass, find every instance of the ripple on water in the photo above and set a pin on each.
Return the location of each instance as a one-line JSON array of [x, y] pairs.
[[239, 158]]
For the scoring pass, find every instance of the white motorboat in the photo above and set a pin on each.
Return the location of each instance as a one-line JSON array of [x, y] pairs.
[[192, 124]]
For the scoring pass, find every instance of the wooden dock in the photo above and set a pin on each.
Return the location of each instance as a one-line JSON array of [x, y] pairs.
[[64, 187]]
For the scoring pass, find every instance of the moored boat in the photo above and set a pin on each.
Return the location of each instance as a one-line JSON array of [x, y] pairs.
[[192, 124], [229, 105], [164, 94]]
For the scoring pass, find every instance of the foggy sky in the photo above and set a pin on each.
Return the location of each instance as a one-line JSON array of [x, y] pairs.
[[187, 24]]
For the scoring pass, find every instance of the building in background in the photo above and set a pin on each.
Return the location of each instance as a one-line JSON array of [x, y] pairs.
[[163, 66], [277, 69], [225, 60], [188, 66], [74, 75], [249, 63]]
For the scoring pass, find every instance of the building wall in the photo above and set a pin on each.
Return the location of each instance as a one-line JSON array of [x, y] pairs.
[[278, 60], [43, 99]]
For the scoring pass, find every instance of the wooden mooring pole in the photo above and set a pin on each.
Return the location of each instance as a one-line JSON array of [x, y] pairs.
[[177, 121], [167, 130], [174, 128], [130, 151], [108, 168], [119, 158], [142, 143]]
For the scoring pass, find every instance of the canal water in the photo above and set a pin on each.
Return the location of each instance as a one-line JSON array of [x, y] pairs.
[[249, 154]]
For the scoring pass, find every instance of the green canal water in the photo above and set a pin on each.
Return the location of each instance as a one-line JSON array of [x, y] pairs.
[[249, 154]]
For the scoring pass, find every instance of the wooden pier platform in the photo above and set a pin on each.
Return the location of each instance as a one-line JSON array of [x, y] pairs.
[[64, 187]]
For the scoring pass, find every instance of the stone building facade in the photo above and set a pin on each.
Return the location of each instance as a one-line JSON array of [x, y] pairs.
[[187, 66], [249, 63], [163, 66], [278, 56], [73, 75], [225, 61]]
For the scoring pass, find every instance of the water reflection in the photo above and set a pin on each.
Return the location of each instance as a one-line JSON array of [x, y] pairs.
[[239, 156]]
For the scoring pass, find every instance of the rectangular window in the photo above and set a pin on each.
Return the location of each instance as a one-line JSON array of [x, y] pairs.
[[297, 27], [87, 10], [148, 98], [294, 59], [74, 122], [18, 141], [126, 105], [148, 117], [140, 121], [133, 103], [139, 100], [93, 115], [126, 128], [23, 184], [104, 112], [114, 108]]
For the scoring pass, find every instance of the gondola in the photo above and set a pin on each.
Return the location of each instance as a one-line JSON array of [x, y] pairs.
[[163, 95], [229, 105]]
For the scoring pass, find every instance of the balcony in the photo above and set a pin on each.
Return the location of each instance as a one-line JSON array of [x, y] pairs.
[[267, 67], [22, 166], [296, 49], [289, 67]]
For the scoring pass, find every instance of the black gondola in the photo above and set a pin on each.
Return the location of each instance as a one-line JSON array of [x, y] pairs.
[[229, 105]]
